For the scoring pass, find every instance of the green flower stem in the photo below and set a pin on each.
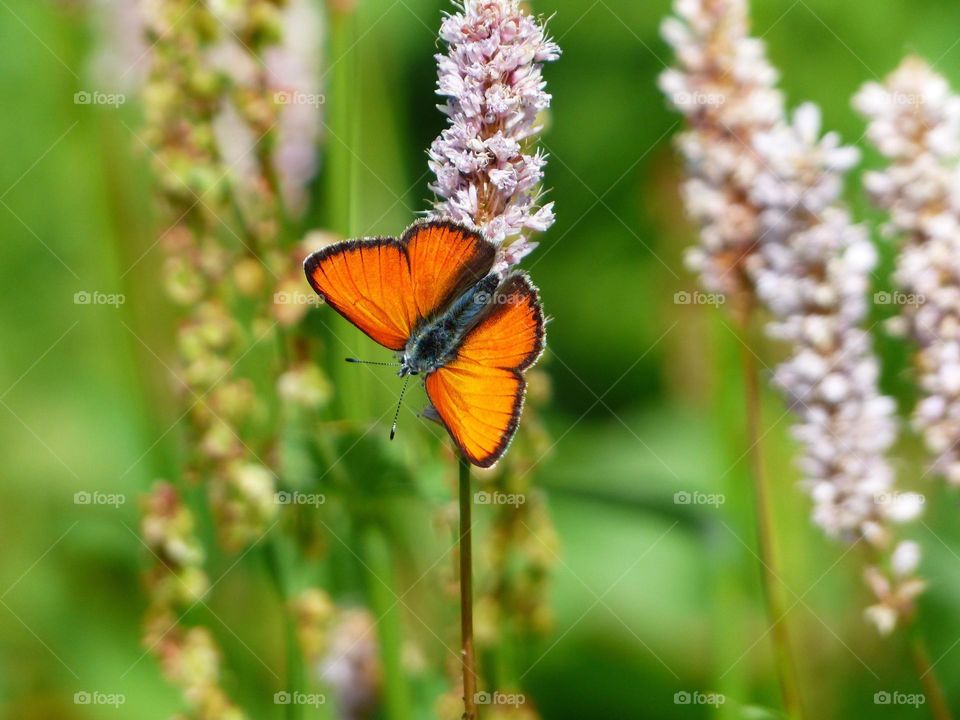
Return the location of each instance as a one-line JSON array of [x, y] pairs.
[[770, 572], [731, 571], [928, 678], [466, 595], [341, 184]]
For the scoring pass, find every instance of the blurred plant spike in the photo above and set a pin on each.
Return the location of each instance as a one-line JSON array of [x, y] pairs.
[[491, 77], [188, 656], [268, 133], [914, 121], [765, 190], [183, 97], [813, 274], [215, 125], [340, 647]]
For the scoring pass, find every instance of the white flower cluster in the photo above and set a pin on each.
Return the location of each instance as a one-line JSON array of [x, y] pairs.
[[914, 121], [726, 90], [491, 77], [812, 271], [764, 191]]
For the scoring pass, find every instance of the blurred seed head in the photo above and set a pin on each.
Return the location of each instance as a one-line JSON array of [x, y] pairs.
[[351, 665]]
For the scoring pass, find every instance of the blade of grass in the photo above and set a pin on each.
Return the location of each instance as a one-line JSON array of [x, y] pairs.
[[466, 594], [385, 607]]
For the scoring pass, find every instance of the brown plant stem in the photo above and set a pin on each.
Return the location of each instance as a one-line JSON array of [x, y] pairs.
[[466, 596], [928, 678], [763, 512]]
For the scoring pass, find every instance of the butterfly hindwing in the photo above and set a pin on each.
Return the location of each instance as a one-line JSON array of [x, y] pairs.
[[386, 286], [479, 395]]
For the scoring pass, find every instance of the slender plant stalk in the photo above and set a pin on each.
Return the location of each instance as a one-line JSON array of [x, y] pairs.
[[466, 596], [296, 677], [342, 191], [384, 603], [786, 669], [919, 655], [731, 614], [279, 576], [928, 678]]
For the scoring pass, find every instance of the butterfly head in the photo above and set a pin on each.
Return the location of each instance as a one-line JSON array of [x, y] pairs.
[[406, 368]]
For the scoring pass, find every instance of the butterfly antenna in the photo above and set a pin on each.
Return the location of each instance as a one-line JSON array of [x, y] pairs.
[[396, 415], [372, 362]]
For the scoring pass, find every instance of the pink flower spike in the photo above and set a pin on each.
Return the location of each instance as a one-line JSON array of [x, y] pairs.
[[491, 79]]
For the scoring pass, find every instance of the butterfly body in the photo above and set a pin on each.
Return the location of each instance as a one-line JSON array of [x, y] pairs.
[[433, 297], [435, 342]]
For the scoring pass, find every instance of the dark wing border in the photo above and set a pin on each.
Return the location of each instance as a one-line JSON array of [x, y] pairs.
[[473, 273], [314, 260], [520, 396]]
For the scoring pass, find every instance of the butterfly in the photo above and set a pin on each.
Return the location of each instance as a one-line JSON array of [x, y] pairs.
[[433, 297]]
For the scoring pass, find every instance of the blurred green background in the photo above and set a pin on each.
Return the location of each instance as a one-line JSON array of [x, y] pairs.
[[650, 597]]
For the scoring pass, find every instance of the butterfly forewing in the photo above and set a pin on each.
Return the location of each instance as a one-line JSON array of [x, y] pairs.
[[386, 286], [368, 282], [445, 260], [479, 395]]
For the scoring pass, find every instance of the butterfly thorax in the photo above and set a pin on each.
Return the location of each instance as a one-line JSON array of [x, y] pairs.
[[434, 342]]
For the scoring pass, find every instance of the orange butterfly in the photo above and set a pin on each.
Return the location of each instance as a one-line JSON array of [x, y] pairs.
[[432, 297]]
